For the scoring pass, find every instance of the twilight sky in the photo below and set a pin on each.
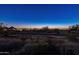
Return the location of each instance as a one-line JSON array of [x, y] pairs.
[[39, 15]]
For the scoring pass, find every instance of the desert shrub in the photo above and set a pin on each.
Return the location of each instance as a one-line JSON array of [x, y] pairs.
[[72, 37], [46, 50], [70, 52]]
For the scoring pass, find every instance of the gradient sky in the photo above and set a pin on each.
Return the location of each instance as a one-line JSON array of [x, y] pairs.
[[39, 15]]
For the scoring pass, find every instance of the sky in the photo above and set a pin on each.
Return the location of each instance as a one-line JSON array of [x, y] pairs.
[[37, 15]]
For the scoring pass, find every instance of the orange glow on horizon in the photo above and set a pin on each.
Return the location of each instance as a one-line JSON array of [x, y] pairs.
[[42, 26]]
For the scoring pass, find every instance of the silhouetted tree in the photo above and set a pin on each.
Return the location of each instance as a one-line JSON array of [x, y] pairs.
[[45, 28], [1, 27], [74, 27]]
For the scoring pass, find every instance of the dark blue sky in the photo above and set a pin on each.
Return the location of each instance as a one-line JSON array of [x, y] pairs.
[[51, 14]]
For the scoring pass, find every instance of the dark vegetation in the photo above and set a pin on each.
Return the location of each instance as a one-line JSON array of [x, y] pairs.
[[43, 41]]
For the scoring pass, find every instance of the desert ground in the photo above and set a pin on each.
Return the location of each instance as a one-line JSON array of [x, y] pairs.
[[39, 44]]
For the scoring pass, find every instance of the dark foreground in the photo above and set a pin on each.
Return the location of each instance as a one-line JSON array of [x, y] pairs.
[[39, 44]]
